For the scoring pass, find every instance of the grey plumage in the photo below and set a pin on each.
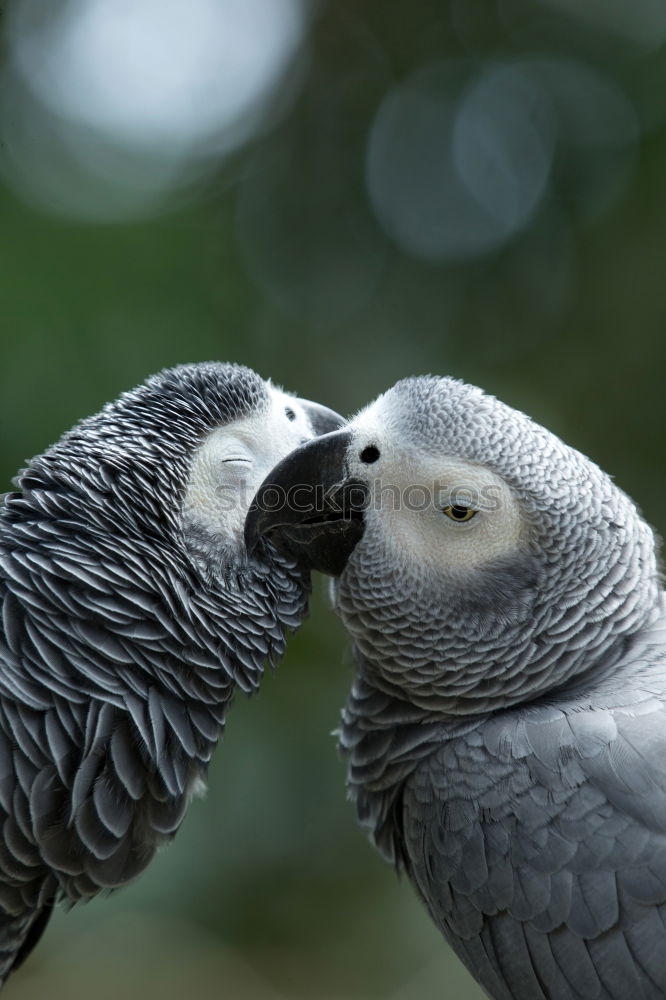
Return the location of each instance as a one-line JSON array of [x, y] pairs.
[[506, 731], [130, 613]]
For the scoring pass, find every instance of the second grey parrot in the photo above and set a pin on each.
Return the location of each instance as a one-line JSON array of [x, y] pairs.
[[506, 730], [129, 615]]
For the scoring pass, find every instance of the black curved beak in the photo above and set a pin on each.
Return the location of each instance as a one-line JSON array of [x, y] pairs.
[[309, 508], [322, 420]]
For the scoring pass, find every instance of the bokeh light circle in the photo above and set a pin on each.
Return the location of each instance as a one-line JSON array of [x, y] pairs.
[[111, 108], [455, 175]]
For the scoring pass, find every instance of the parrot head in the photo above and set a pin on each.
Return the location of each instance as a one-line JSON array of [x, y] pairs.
[[478, 560], [175, 462]]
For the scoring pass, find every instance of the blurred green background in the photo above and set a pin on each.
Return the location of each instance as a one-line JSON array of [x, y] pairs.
[[337, 195]]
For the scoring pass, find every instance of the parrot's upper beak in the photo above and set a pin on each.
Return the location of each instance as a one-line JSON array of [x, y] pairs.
[[322, 420], [308, 506]]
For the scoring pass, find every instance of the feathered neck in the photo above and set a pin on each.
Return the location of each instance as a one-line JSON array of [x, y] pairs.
[[522, 628]]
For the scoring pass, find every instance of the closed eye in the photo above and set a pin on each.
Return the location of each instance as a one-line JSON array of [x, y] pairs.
[[236, 461]]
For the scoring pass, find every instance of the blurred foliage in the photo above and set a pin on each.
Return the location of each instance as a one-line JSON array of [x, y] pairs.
[[285, 259]]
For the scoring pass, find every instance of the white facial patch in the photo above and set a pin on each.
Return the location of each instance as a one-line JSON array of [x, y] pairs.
[[233, 461], [412, 491], [425, 524]]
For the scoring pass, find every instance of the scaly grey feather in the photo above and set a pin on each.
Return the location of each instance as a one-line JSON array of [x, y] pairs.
[[127, 623]]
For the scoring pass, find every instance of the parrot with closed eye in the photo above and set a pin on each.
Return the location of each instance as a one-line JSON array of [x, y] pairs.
[[130, 613]]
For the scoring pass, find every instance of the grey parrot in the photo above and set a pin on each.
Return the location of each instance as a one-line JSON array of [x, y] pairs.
[[506, 730], [129, 615]]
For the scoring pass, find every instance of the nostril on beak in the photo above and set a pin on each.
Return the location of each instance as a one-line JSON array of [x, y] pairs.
[[369, 454]]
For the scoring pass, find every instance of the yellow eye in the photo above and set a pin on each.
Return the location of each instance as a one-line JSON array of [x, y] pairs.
[[459, 514]]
